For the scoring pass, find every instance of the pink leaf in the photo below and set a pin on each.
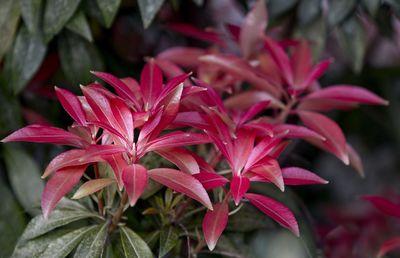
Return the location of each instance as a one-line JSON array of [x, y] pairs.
[[118, 164], [269, 169], [123, 117], [316, 72], [296, 131], [93, 153], [191, 31], [348, 93], [280, 58], [239, 186], [300, 176], [177, 139], [182, 183], [210, 180], [169, 69], [214, 223], [190, 118], [384, 205], [389, 245], [253, 27], [123, 89], [301, 62], [355, 160], [253, 111], [243, 145], [151, 81], [183, 56], [324, 105], [275, 210], [58, 185], [46, 134], [335, 141], [247, 99], [261, 150], [135, 179], [182, 158], [72, 105]]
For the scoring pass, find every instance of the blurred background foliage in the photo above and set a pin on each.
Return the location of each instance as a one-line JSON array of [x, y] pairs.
[[57, 42]]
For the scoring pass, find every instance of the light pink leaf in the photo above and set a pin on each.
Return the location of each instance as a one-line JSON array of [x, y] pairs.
[[348, 93], [297, 131], [280, 58], [182, 56], [253, 27], [384, 205], [151, 81], [58, 185], [210, 180], [135, 179], [275, 210], [177, 139], [46, 134], [123, 89], [182, 183], [239, 186], [269, 169], [93, 153], [72, 105], [389, 245], [92, 186], [355, 160], [182, 158], [335, 142], [214, 223], [300, 176], [191, 31]]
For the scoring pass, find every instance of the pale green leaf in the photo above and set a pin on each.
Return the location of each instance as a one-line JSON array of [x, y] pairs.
[[339, 10], [148, 10], [12, 221], [31, 13], [371, 6], [308, 11], [80, 26], [24, 176], [78, 58], [9, 17], [92, 186], [39, 225], [168, 239], [26, 57], [108, 9], [92, 245], [278, 7], [57, 14], [63, 245], [133, 245]]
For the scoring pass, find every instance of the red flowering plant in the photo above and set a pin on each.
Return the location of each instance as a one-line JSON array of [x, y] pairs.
[[217, 145]]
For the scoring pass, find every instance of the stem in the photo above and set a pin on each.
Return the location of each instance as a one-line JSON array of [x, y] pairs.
[[190, 213], [118, 214], [198, 247], [100, 203]]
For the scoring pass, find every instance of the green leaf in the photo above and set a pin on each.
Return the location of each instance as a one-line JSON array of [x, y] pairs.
[[248, 219], [133, 245], [56, 15], [278, 7], [198, 2], [148, 10], [92, 245], [308, 11], [339, 10], [11, 118], [168, 239], [110, 192], [9, 17], [316, 33], [25, 59], [31, 13], [108, 9], [24, 176], [353, 41], [63, 245], [39, 225], [371, 6], [78, 58], [80, 26], [12, 221]]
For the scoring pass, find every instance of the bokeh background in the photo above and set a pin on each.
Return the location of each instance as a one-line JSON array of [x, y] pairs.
[[57, 42]]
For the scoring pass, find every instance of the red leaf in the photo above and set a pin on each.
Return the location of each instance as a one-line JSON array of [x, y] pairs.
[[301, 62], [355, 160], [58, 185], [182, 158], [324, 105], [261, 150], [151, 81], [389, 245], [296, 131], [239, 186], [210, 180], [348, 93], [247, 99], [253, 111], [118, 164], [335, 141], [124, 118], [243, 145], [280, 58], [275, 210], [300, 176], [214, 223], [177, 139], [269, 169], [46, 134], [383, 204], [183, 56], [135, 179], [252, 28], [317, 71], [72, 105], [191, 31], [182, 183]]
